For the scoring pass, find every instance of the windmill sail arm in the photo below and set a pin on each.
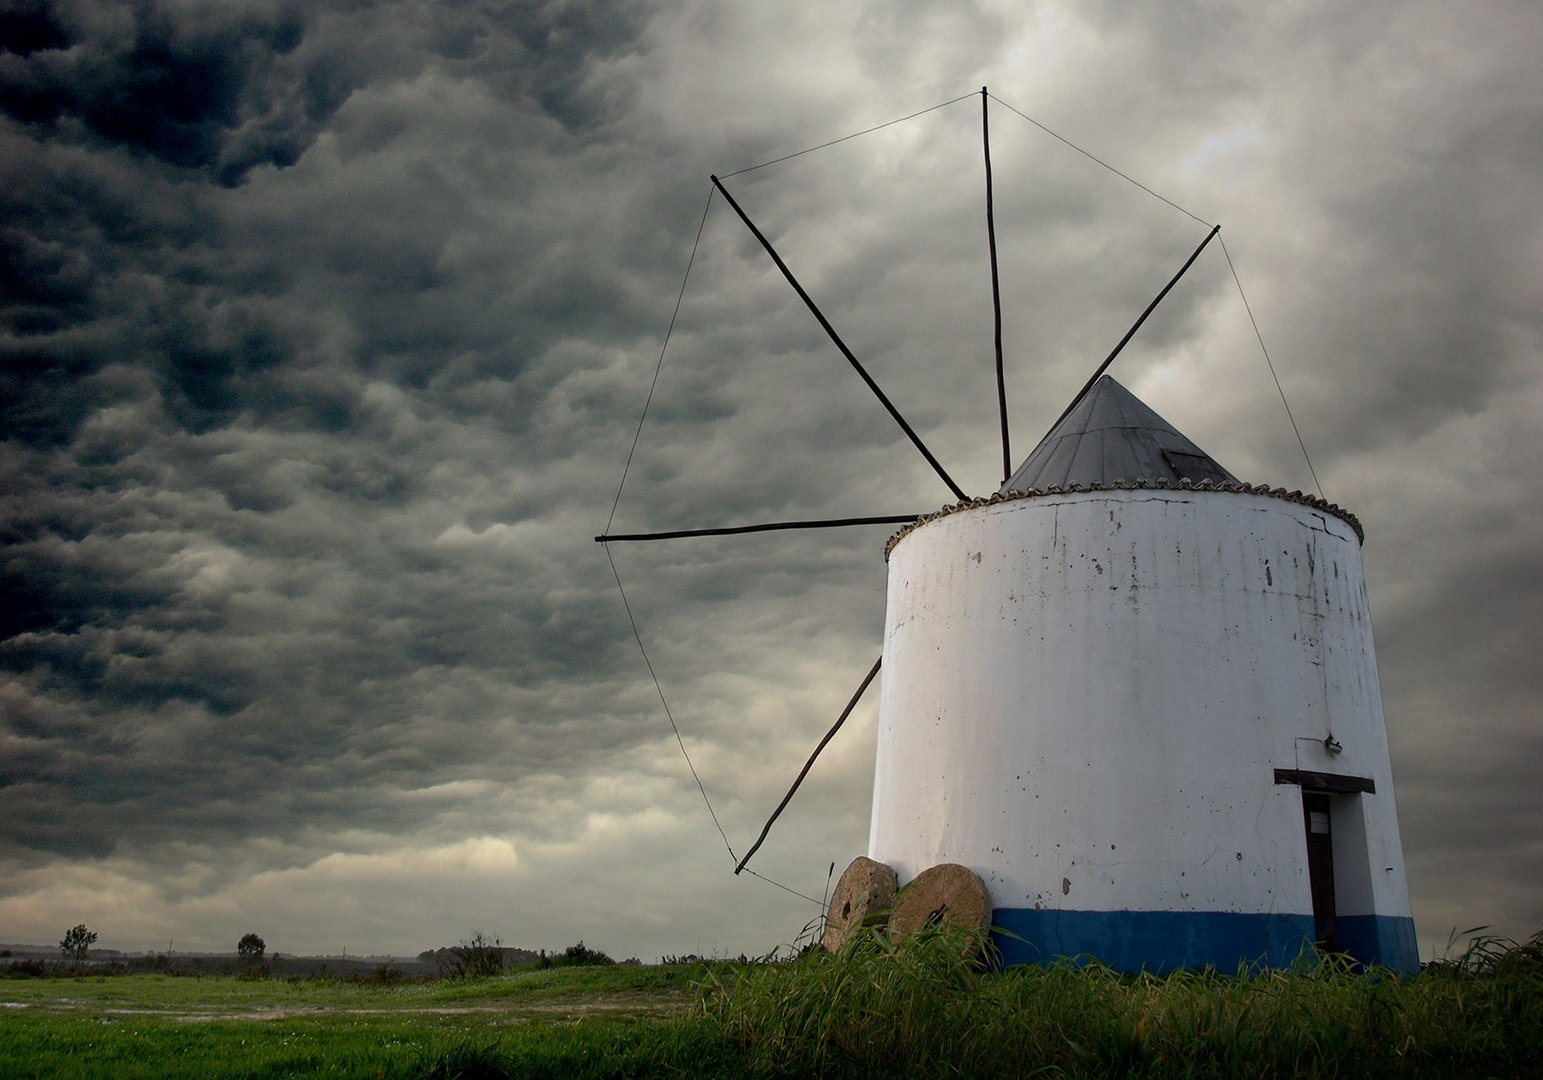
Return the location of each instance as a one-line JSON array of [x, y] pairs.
[[846, 712], [768, 526], [836, 338], [996, 288], [1136, 326]]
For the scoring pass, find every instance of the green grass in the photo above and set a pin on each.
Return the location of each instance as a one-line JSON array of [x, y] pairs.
[[920, 1008], [582, 1022], [379, 1046]]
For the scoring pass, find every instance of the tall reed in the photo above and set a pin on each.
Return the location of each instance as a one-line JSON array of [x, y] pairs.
[[923, 1007]]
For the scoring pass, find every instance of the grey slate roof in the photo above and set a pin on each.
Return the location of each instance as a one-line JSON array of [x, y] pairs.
[[1113, 435]]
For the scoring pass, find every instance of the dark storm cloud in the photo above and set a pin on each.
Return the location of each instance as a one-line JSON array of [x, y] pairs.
[[85, 236], [192, 92], [223, 519], [228, 88], [191, 625]]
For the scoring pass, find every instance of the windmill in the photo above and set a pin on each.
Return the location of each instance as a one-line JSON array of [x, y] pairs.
[[1130, 705]]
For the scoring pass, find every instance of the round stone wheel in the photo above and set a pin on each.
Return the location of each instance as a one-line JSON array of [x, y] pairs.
[[863, 897], [947, 893]]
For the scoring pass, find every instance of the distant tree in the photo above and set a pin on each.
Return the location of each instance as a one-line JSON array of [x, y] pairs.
[[577, 955], [581, 955], [251, 947], [479, 958], [76, 941]]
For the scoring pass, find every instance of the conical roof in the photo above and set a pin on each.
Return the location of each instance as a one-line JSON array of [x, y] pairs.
[[1113, 435]]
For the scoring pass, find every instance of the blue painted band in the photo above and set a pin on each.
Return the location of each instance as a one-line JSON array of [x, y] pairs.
[[1159, 941], [1380, 939]]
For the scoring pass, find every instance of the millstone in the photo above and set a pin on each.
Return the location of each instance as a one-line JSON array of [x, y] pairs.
[[863, 897], [945, 893]]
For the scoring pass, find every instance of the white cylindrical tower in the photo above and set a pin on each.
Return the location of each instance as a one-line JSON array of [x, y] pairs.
[[1146, 714]]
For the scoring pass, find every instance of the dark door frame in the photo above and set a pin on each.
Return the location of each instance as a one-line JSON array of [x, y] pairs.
[[1317, 791]]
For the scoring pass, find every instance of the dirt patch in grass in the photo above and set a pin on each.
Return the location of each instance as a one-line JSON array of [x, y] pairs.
[[615, 1006]]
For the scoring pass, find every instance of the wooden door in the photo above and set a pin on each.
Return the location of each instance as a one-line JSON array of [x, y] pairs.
[[1320, 867]]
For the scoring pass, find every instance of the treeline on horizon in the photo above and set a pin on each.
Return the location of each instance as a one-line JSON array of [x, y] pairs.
[[475, 957]]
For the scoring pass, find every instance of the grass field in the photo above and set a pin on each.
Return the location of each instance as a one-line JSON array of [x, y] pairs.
[[921, 1009], [560, 1021]]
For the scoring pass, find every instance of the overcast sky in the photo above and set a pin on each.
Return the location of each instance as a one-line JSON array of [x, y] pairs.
[[326, 331]]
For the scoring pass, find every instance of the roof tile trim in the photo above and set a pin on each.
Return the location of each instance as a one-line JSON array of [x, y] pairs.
[[1139, 485]]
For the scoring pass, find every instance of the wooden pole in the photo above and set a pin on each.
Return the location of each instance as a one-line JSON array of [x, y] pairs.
[[996, 288], [846, 352]]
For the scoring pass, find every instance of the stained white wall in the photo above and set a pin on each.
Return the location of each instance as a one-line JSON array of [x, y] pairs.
[[1085, 696]]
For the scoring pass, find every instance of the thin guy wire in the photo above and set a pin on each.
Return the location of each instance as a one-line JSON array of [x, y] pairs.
[[1099, 160], [680, 296], [784, 888], [844, 138], [647, 663], [1271, 366], [673, 727], [1266, 352], [660, 365]]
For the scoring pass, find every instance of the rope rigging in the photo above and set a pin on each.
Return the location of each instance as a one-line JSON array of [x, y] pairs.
[[605, 537]]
